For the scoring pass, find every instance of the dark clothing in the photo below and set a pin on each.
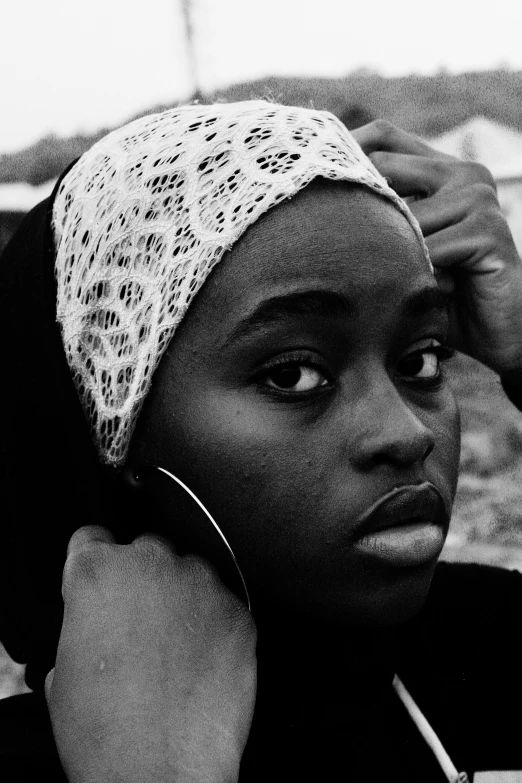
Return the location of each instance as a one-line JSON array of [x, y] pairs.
[[49, 473], [461, 660]]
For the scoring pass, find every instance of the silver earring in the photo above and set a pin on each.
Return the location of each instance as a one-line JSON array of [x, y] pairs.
[[228, 548]]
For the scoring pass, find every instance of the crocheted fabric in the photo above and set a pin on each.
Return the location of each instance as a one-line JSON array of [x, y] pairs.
[[149, 210]]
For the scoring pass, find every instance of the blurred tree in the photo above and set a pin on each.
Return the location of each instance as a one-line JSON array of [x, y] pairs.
[[188, 18], [427, 105], [356, 115]]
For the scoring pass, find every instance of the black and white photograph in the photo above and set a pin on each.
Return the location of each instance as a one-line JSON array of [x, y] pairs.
[[261, 453]]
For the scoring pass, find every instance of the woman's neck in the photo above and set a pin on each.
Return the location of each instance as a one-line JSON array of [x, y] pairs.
[[335, 663]]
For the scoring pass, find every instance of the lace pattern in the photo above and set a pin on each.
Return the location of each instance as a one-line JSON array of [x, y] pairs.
[[148, 211]]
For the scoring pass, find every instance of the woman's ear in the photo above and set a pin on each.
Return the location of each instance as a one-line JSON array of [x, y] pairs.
[[129, 477], [129, 502]]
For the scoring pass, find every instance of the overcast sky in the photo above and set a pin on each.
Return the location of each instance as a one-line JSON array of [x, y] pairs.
[[70, 66]]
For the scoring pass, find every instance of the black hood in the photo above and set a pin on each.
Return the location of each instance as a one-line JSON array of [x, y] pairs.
[[51, 482]]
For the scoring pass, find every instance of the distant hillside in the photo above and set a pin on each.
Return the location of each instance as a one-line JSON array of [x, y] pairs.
[[427, 105]]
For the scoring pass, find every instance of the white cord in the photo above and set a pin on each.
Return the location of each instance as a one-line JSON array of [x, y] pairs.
[[429, 735]]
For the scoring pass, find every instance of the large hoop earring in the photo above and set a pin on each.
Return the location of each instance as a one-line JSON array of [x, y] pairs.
[[231, 557]]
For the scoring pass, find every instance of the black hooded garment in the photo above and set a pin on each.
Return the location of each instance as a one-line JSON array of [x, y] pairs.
[[461, 658]]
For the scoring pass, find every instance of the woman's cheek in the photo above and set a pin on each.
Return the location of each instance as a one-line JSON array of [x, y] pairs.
[[265, 482], [445, 424]]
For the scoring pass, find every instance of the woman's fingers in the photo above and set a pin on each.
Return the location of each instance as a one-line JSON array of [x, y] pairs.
[[413, 168], [383, 135], [412, 174], [419, 174], [437, 212], [464, 228], [154, 540], [476, 202], [87, 536], [458, 244], [453, 193], [80, 549]]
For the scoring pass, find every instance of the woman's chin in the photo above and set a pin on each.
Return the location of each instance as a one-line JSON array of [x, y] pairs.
[[398, 597], [390, 597]]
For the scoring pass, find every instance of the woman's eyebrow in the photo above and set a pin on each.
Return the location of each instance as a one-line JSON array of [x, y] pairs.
[[323, 303], [426, 299]]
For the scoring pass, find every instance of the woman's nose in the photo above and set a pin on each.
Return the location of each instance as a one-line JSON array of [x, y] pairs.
[[389, 430]]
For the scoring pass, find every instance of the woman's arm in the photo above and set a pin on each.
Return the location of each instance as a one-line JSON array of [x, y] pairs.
[[156, 671]]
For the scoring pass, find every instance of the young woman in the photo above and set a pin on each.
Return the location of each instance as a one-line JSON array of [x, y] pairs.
[[244, 302]]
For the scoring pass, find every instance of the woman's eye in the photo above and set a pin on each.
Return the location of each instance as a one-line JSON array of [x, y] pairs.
[[425, 363], [298, 378]]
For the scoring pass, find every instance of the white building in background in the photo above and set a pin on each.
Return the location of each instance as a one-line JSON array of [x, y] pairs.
[[500, 149], [16, 199], [509, 183], [21, 197]]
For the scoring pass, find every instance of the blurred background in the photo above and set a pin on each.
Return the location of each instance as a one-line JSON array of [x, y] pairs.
[[450, 72]]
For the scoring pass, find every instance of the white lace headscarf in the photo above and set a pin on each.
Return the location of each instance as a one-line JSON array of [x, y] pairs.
[[148, 211]]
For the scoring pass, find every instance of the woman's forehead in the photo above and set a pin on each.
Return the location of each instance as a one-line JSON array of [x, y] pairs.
[[331, 235]]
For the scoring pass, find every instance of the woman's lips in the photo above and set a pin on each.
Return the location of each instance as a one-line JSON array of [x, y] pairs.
[[405, 527]]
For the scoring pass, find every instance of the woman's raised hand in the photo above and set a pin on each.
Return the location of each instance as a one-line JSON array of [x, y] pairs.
[[155, 674], [469, 240]]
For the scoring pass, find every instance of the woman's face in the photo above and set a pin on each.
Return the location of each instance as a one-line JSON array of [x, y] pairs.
[[303, 386]]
